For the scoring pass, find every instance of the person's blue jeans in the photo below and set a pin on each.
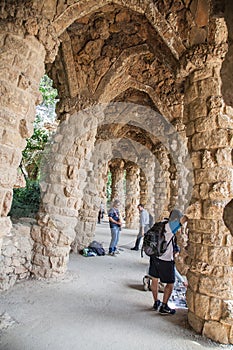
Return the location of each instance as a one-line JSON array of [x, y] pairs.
[[115, 231]]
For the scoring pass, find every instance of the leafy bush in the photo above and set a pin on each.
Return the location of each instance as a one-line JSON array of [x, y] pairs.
[[26, 200]]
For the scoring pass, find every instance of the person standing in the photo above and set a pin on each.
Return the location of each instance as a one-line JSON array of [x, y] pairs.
[[163, 267], [115, 225], [144, 220], [101, 213]]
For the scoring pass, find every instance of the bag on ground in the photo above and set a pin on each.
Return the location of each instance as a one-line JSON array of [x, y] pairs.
[[97, 248]]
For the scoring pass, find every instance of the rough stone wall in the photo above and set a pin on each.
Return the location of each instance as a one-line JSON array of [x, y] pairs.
[[16, 254], [210, 243], [172, 52]]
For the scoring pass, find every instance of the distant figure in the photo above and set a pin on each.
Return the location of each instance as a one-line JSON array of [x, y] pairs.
[[101, 213], [144, 225], [115, 226]]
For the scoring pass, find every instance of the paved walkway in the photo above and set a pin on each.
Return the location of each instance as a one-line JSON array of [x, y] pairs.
[[99, 304]]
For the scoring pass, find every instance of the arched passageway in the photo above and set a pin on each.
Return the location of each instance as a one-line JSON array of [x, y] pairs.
[[168, 61]]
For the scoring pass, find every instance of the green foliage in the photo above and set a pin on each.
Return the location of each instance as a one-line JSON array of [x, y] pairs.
[[26, 200], [32, 155], [48, 92]]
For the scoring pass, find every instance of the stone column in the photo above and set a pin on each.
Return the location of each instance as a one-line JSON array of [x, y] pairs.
[[93, 194], [162, 184], [210, 291], [22, 66], [132, 195], [117, 167]]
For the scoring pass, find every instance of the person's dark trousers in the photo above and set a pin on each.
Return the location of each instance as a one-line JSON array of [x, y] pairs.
[[137, 243], [99, 217]]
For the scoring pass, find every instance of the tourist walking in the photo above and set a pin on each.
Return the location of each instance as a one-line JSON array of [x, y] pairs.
[[144, 220]]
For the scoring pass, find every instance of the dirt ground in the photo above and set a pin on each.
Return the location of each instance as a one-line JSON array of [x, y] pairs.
[[99, 304]]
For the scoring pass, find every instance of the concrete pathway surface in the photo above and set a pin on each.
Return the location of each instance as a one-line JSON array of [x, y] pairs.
[[99, 304]]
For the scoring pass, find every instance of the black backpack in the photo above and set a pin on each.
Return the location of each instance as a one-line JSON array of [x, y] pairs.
[[154, 241]]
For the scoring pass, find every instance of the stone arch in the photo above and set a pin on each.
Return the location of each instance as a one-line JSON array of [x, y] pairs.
[[208, 124], [75, 11], [90, 120]]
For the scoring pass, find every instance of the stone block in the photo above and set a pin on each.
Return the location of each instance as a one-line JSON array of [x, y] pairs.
[[223, 156], [36, 233], [216, 239], [196, 109], [215, 309], [201, 253], [211, 139], [218, 32], [216, 331], [13, 42], [209, 87], [9, 251], [6, 225], [221, 190], [196, 160], [193, 280], [41, 261], [213, 175], [209, 226], [220, 256], [231, 336], [201, 74], [194, 210], [201, 305], [204, 190], [195, 237], [227, 312], [20, 270], [216, 287], [205, 124], [191, 93], [195, 322], [213, 209], [190, 129]]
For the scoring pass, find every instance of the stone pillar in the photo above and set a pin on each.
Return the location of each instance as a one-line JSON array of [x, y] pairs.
[[210, 291], [22, 66], [162, 184], [94, 193], [132, 195], [117, 167]]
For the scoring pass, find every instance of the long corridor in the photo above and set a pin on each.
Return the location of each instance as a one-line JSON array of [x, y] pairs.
[[99, 304]]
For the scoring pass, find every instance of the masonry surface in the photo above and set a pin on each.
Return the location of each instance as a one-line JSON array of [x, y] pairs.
[[145, 92]]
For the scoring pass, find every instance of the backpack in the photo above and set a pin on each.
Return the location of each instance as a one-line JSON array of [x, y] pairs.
[[154, 241], [97, 248]]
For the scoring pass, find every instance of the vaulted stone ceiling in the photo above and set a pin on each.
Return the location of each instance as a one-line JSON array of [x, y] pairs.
[[112, 50]]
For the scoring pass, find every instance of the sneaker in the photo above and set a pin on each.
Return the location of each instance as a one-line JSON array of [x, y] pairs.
[[156, 305], [166, 310], [112, 254]]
